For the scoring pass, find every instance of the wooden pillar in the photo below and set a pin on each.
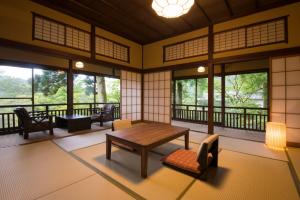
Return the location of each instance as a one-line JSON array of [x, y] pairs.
[[70, 88], [223, 93], [93, 43], [174, 96], [32, 90], [210, 120]]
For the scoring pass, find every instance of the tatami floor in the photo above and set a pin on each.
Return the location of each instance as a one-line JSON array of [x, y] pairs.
[[75, 167], [228, 132]]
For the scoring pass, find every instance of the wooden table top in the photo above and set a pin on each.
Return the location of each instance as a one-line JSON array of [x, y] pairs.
[[149, 134]]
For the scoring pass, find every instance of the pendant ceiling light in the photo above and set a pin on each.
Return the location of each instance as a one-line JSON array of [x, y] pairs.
[[172, 8]]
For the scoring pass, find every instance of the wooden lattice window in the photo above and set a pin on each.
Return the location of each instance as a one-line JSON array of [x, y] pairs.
[[56, 32], [229, 40], [266, 33], [78, 39], [186, 49], [49, 30], [112, 49]]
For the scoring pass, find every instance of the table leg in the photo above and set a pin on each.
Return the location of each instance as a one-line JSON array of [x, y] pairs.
[[108, 147], [144, 161], [186, 140]]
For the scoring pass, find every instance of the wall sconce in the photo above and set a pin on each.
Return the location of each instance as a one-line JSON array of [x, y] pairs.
[[79, 64], [201, 69], [276, 135]]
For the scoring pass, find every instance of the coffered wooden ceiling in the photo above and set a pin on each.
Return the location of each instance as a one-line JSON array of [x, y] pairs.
[[135, 19]]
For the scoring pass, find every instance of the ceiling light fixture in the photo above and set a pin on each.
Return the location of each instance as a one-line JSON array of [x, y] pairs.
[[79, 64], [172, 8], [201, 69]]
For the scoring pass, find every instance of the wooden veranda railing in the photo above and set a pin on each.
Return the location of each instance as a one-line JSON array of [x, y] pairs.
[[246, 118], [9, 122]]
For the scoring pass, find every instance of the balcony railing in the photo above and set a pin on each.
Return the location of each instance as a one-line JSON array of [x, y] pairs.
[[246, 118], [9, 122]]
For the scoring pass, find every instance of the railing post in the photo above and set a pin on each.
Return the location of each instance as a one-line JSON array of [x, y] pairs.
[[187, 112], [47, 110], [245, 120], [91, 109], [70, 89], [174, 111]]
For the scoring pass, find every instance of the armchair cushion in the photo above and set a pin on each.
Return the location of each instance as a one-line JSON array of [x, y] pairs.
[[185, 159]]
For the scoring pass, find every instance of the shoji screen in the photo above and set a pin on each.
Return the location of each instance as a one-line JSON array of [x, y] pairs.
[[131, 95], [157, 97], [285, 95]]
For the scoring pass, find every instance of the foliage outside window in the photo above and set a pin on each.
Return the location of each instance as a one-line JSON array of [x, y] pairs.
[[15, 87], [242, 90], [50, 87]]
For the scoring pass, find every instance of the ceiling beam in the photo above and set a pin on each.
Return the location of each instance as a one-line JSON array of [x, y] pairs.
[[229, 7], [204, 12]]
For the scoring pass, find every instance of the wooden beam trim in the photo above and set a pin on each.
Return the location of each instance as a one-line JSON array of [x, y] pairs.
[[230, 11], [204, 12], [62, 54]]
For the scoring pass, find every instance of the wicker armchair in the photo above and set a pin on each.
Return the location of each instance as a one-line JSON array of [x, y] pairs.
[[33, 123], [105, 115]]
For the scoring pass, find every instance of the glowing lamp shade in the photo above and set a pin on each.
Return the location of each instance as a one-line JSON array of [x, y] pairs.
[[276, 135], [172, 8], [201, 69], [79, 64]]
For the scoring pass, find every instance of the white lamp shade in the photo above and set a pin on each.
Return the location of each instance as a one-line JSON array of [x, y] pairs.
[[172, 8], [276, 135], [201, 69], [79, 64]]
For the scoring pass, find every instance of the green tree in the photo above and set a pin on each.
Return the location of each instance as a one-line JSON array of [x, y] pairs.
[[246, 90], [49, 82]]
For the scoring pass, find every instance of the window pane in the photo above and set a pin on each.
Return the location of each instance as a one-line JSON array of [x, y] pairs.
[[202, 91], [185, 91], [247, 90], [83, 88], [15, 86], [15, 82], [107, 90], [50, 87]]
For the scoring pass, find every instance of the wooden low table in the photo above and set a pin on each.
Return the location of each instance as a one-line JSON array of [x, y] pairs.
[[73, 122], [143, 138]]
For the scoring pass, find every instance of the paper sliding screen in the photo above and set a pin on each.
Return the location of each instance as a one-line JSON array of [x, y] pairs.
[[285, 95], [157, 97], [131, 89]]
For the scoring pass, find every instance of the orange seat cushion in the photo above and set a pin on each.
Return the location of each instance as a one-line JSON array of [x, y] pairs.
[[183, 159]]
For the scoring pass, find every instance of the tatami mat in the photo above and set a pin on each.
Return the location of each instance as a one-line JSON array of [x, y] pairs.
[[81, 141], [242, 176], [243, 146], [162, 182], [294, 154], [228, 132], [15, 139], [92, 188], [31, 171], [250, 147]]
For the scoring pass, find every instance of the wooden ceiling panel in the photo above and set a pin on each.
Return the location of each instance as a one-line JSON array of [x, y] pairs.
[[242, 7], [195, 18], [144, 16], [137, 21], [215, 9], [107, 8]]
